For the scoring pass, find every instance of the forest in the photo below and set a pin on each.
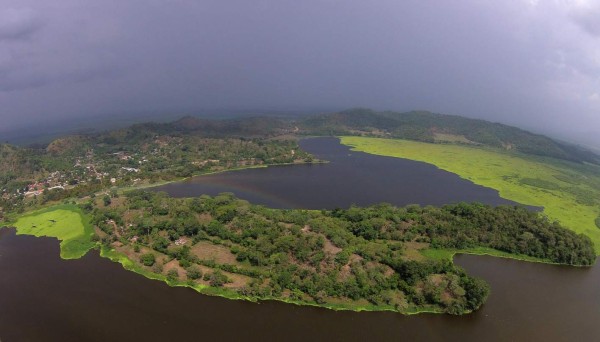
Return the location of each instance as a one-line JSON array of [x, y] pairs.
[[349, 258]]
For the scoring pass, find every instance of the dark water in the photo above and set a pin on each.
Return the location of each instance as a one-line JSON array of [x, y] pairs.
[[350, 178], [43, 298]]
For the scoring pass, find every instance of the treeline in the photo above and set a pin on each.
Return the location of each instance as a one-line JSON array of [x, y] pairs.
[[345, 255], [423, 126]]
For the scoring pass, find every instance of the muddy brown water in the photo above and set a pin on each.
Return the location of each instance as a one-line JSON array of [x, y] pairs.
[[44, 298]]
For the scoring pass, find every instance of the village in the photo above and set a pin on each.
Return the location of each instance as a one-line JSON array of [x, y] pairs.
[[81, 169]]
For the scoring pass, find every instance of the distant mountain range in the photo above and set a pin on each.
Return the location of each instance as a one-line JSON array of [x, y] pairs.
[[415, 125]]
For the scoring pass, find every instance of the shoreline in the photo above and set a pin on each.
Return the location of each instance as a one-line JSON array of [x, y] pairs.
[[557, 205], [489, 252], [122, 190], [131, 265], [11, 218]]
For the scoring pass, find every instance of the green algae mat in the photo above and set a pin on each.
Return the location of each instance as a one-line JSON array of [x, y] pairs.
[[64, 222]]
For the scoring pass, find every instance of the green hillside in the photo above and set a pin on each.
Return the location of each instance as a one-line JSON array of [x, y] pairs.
[[439, 128]]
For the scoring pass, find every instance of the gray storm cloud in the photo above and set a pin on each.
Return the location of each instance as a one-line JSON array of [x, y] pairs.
[[530, 63], [17, 23]]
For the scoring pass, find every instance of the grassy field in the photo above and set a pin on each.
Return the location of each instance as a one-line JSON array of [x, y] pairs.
[[64, 222], [569, 193]]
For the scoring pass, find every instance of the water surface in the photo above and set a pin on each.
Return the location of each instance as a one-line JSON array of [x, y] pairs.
[[44, 298], [349, 178]]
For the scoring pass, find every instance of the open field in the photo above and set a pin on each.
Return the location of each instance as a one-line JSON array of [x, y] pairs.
[[569, 193], [64, 222]]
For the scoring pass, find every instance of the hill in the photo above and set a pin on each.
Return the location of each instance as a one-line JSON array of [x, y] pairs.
[[251, 127], [81, 165], [430, 127]]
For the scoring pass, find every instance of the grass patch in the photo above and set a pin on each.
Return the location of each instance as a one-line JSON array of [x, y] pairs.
[[598, 222], [64, 222], [574, 206], [448, 254]]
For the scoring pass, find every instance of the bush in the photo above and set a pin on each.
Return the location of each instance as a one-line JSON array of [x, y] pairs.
[[106, 200], [172, 275], [218, 279], [193, 272], [157, 268], [148, 259]]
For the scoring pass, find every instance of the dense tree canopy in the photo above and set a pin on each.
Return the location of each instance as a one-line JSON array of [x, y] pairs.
[[333, 256]]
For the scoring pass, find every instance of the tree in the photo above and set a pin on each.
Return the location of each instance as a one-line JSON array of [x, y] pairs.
[[476, 290], [148, 259], [193, 272], [106, 200]]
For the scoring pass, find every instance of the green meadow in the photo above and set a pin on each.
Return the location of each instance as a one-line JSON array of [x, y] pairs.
[[64, 222], [569, 193]]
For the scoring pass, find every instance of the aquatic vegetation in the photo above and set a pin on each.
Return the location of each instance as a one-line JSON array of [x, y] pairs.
[[64, 222], [569, 192]]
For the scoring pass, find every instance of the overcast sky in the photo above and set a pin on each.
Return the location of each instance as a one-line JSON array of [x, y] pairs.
[[531, 63]]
